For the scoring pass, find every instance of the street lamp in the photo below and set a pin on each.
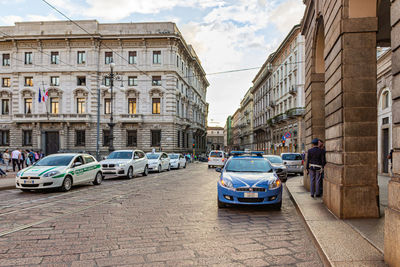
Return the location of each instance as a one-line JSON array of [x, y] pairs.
[[111, 123]]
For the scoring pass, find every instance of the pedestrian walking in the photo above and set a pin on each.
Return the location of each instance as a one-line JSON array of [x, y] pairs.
[[2, 173], [16, 157], [1, 158], [22, 158], [315, 164], [321, 145], [390, 157], [7, 159]]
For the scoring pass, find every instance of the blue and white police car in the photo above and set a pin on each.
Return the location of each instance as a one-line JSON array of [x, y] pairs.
[[249, 179]]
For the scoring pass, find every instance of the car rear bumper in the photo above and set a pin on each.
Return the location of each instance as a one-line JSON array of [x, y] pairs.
[[295, 169], [233, 197]]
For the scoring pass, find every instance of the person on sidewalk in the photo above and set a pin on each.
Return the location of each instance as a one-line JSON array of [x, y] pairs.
[[2, 173], [6, 157], [16, 157], [315, 164], [321, 145]]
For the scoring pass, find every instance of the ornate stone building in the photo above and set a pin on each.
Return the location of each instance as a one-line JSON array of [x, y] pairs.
[[341, 105], [278, 90], [159, 100], [246, 122], [215, 138]]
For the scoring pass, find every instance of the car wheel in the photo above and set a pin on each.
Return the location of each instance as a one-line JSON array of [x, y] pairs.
[[221, 205], [209, 166], [169, 167], [67, 184], [184, 166], [159, 168], [130, 173], [277, 206], [146, 171], [98, 179], [179, 166]]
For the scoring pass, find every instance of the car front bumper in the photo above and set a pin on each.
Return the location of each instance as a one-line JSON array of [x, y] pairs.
[[175, 165], [41, 183], [234, 197], [153, 167]]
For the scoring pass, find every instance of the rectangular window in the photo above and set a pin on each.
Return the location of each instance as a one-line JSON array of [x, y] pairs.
[[156, 80], [179, 138], [132, 57], [107, 106], [5, 138], [156, 106], [28, 105], [6, 82], [54, 81], [80, 105], [6, 59], [155, 137], [28, 81], [106, 137], [81, 57], [131, 138], [28, 58], [80, 137], [54, 105], [132, 105], [55, 58], [108, 57], [81, 80], [156, 57], [5, 106], [107, 81], [132, 81], [27, 137]]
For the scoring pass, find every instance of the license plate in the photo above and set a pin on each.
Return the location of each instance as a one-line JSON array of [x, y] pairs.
[[29, 181], [250, 194]]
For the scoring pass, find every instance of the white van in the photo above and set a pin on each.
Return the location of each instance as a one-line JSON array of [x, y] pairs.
[[216, 158]]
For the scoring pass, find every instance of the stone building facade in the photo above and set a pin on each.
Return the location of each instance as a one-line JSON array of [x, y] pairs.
[[342, 106], [159, 98], [278, 91], [384, 98], [215, 138], [235, 130], [246, 122]]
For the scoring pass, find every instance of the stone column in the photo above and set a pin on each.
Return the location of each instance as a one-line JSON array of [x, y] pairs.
[[392, 213], [350, 184]]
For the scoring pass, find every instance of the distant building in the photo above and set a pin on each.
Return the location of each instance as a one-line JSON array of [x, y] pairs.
[[246, 122], [228, 134], [384, 95], [159, 98], [236, 130], [215, 138]]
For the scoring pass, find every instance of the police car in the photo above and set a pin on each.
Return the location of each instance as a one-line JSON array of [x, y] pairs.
[[249, 179], [60, 171]]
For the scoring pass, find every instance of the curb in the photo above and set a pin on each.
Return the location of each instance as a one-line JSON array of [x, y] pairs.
[[321, 252], [7, 187]]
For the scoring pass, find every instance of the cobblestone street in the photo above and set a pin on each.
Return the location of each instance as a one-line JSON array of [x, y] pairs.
[[162, 219]]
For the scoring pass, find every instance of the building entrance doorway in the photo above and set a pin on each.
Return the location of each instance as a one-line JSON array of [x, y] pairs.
[[385, 150], [52, 142]]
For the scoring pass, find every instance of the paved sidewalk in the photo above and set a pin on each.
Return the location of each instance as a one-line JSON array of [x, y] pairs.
[[7, 182], [338, 241]]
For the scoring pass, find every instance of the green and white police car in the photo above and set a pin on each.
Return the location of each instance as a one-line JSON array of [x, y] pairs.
[[60, 171]]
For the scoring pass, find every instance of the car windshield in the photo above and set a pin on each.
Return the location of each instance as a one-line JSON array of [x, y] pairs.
[[216, 155], [120, 155], [173, 156], [274, 159], [153, 155], [248, 165], [55, 161], [291, 157]]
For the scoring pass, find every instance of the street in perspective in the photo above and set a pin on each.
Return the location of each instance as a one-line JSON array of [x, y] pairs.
[[200, 133]]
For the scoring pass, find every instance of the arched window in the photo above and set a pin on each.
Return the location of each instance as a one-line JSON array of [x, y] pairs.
[[385, 100]]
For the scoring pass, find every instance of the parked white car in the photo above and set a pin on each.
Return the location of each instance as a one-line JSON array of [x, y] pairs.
[[158, 161], [177, 161], [60, 171], [126, 163], [216, 158]]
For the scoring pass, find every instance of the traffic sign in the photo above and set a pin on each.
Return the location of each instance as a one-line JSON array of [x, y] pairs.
[[288, 135]]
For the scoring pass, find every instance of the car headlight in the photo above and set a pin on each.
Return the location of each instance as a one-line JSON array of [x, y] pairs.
[[226, 182], [121, 165], [52, 173], [19, 174], [275, 184]]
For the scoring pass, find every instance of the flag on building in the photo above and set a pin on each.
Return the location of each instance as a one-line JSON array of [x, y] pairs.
[[40, 96], [45, 95]]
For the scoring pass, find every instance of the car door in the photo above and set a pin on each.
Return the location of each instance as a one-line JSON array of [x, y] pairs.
[[92, 167], [181, 160], [164, 161], [79, 170], [136, 162], [143, 161]]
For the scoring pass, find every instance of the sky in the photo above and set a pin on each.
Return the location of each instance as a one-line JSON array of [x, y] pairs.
[[226, 34]]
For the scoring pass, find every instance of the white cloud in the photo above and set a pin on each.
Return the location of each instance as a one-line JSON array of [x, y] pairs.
[[10, 20], [119, 9], [50, 17], [288, 14]]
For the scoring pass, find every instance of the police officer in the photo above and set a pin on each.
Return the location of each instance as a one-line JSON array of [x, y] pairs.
[[315, 164]]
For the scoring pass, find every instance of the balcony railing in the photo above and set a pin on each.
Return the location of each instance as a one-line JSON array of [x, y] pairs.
[[272, 103], [295, 112], [293, 90]]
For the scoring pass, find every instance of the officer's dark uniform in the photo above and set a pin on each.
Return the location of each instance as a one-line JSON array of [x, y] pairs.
[[315, 162]]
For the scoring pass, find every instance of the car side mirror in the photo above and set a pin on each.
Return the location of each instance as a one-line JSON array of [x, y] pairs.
[[104, 157], [136, 157], [218, 170], [77, 164]]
